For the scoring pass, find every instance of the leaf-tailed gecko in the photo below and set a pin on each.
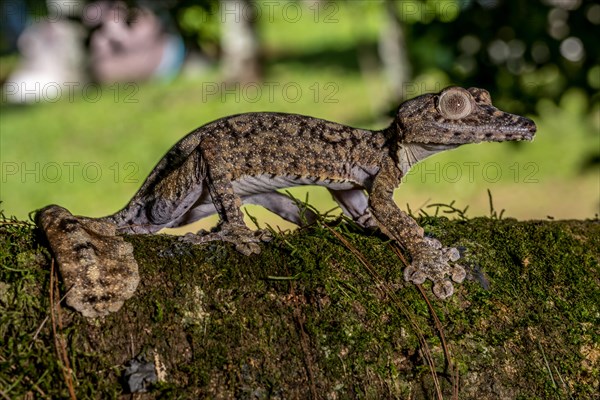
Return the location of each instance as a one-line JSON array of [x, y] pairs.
[[245, 158]]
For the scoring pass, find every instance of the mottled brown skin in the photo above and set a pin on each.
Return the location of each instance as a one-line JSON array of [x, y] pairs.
[[97, 284], [245, 158], [248, 145]]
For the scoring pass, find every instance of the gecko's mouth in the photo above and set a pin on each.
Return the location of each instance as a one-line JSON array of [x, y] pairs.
[[516, 129], [526, 131]]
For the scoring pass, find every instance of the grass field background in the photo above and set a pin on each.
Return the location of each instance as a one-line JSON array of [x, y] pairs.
[[91, 156]]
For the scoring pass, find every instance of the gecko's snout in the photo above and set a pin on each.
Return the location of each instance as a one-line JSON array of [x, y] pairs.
[[529, 128], [511, 128], [529, 125]]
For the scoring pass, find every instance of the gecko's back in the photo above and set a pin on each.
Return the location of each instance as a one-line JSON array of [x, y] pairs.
[[277, 144], [259, 152]]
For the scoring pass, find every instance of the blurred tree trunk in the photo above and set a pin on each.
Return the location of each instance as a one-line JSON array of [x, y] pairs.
[[239, 41], [392, 50]]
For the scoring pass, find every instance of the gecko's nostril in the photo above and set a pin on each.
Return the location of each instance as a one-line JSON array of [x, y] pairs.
[[529, 125], [532, 127]]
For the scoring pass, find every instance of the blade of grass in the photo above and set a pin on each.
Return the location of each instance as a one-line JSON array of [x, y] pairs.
[[438, 325], [386, 292], [59, 344]]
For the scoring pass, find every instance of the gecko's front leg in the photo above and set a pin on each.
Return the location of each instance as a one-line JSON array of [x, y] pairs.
[[430, 260], [231, 227]]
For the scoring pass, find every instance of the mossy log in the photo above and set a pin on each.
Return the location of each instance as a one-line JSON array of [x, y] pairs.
[[322, 313]]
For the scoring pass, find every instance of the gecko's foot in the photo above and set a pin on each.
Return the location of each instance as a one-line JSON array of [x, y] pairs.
[[435, 262], [245, 240]]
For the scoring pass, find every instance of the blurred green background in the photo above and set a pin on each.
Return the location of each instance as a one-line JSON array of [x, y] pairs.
[[328, 60]]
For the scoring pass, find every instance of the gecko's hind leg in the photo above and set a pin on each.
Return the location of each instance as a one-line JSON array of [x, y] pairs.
[[245, 243], [231, 227], [275, 202], [166, 201]]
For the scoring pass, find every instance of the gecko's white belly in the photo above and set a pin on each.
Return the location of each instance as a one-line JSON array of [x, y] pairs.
[[250, 188], [250, 185], [359, 177]]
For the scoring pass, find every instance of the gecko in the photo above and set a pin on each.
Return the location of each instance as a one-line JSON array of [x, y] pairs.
[[246, 158]]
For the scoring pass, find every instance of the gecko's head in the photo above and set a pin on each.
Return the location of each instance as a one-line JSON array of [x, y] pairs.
[[458, 116]]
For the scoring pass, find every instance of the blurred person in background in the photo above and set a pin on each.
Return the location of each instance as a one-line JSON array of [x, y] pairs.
[[125, 44], [131, 44], [51, 53]]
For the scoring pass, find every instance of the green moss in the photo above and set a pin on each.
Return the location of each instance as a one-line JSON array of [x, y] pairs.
[[306, 313]]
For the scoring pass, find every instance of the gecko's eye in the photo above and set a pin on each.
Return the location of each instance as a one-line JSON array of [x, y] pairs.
[[455, 104]]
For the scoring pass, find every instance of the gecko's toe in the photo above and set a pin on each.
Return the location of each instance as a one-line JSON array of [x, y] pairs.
[[443, 290], [412, 274], [458, 273], [433, 243], [193, 238], [248, 248], [452, 253], [263, 235]]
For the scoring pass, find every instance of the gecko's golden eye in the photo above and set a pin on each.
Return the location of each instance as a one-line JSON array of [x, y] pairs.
[[455, 104]]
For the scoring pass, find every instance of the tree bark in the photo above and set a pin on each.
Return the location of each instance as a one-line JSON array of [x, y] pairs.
[[321, 313]]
